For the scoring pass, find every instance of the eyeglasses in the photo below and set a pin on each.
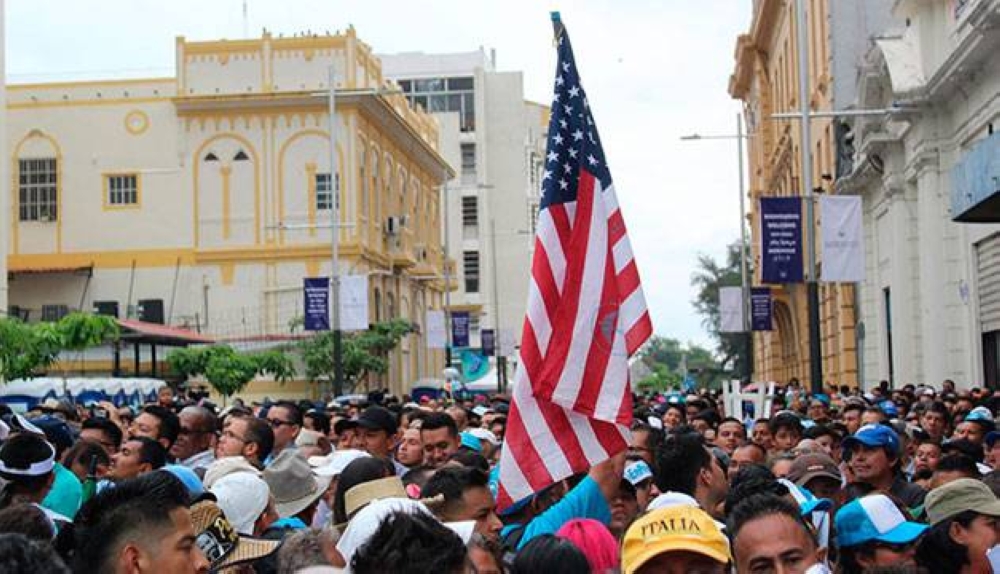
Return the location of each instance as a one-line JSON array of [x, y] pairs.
[[231, 435], [278, 423]]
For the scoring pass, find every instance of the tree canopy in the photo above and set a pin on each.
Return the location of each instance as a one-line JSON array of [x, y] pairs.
[[29, 348], [708, 278], [364, 352]]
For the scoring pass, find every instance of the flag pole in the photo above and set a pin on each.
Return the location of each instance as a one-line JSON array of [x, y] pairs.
[[557, 26]]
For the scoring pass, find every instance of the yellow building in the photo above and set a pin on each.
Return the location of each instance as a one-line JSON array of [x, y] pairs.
[[202, 200], [766, 80]]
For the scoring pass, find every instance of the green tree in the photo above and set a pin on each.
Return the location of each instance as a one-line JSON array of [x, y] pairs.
[[364, 353], [664, 356], [26, 349], [708, 278], [227, 370]]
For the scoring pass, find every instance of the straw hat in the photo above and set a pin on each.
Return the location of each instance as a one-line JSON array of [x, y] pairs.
[[294, 485], [220, 542]]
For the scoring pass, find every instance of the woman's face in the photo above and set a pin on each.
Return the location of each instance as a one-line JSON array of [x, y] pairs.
[[673, 417], [982, 534]]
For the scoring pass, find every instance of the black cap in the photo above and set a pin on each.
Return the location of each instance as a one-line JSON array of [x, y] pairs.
[[378, 418]]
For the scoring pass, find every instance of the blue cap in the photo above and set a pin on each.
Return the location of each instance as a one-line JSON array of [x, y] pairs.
[[889, 408], [980, 414], [188, 477], [471, 442], [991, 437], [874, 435], [874, 517], [805, 499]]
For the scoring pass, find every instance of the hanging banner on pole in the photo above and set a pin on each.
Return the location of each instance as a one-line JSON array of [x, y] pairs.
[[316, 303], [781, 239], [460, 329], [843, 247], [760, 308], [437, 337], [730, 309], [354, 303], [488, 338]]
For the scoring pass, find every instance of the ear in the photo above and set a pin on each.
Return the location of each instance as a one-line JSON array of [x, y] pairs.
[[250, 450], [958, 533], [129, 559], [146, 467]]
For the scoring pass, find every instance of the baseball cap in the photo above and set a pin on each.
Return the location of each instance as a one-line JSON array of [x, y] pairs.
[[378, 418], [874, 517], [336, 462], [980, 414], [958, 496], [485, 435], [874, 435], [243, 497], [805, 499], [637, 471], [221, 543], [813, 465], [673, 529], [889, 408], [991, 437], [471, 442]]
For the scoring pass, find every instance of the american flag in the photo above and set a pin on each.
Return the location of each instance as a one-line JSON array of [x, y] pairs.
[[572, 402]]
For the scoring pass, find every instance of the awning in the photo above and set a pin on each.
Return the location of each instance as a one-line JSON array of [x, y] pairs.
[[154, 334]]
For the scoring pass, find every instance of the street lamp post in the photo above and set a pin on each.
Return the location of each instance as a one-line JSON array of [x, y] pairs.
[[739, 136], [338, 357]]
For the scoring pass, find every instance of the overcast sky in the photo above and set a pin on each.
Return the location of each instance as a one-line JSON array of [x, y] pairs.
[[654, 70]]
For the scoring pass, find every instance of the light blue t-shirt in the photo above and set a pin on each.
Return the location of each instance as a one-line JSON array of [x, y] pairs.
[[585, 501], [66, 493]]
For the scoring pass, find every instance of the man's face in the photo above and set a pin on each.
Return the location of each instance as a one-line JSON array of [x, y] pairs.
[[165, 397], [933, 423], [852, 420], [126, 464], [785, 438], [927, 457], [439, 445], [682, 562], [762, 435], [411, 449], [730, 436], [871, 464], [672, 418], [478, 504], [993, 455], [817, 411], [101, 438], [624, 508], [192, 439], [145, 425], [742, 457], [284, 429], [718, 485], [824, 487], [774, 543], [378, 442], [971, 432], [233, 439], [640, 445], [171, 552]]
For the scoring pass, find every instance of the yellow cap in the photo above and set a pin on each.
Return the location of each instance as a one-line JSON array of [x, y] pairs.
[[672, 529]]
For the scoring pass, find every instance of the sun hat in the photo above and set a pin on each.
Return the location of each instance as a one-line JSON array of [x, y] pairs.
[[361, 495], [225, 466], [243, 497], [678, 528], [335, 463], [874, 518], [220, 542], [364, 524], [294, 485], [874, 435], [958, 496]]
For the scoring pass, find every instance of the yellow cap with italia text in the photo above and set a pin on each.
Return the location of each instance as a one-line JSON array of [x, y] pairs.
[[673, 529]]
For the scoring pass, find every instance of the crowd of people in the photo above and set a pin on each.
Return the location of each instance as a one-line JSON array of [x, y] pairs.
[[893, 480]]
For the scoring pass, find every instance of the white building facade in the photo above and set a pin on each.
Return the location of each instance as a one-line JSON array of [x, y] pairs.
[[203, 200], [930, 304], [496, 141]]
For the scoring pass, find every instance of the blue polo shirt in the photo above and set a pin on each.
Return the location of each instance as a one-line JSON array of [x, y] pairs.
[[585, 501]]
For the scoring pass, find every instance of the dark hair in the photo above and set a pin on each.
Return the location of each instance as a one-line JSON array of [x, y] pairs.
[[27, 519], [750, 480], [85, 450], [357, 472], [152, 452], [20, 452], [852, 407], [106, 426], [470, 458], [817, 431], [436, 421], [938, 551], [134, 510], [321, 421], [294, 412], [261, 434], [958, 462], [733, 420], [410, 543], [550, 554], [419, 476], [654, 435], [785, 420], [940, 408], [170, 425], [452, 482], [679, 460], [963, 446], [761, 505], [19, 553]]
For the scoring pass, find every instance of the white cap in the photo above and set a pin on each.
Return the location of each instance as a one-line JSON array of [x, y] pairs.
[[242, 496], [338, 461], [484, 434]]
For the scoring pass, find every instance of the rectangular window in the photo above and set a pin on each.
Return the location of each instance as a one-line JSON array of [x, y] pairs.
[[460, 84], [324, 195], [37, 189], [468, 163], [470, 211], [470, 260], [121, 190]]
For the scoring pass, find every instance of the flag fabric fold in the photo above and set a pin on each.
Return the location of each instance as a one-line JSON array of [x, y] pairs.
[[586, 315]]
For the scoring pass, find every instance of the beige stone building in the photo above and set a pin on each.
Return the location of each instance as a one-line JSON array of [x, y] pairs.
[[203, 200]]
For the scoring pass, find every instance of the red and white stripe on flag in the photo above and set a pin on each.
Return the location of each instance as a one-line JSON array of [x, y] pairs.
[[572, 402]]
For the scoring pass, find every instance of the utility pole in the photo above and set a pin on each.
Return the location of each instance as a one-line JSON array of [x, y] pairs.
[[338, 357]]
